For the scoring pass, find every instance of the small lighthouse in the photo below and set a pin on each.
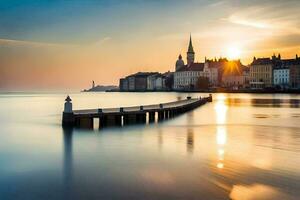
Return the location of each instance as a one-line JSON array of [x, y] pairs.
[[68, 115], [68, 105]]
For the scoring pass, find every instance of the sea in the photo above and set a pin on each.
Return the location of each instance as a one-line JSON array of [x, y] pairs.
[[240, 147]]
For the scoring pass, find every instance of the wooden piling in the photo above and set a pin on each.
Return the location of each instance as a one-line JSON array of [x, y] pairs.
[[151, 116], [161, 115]]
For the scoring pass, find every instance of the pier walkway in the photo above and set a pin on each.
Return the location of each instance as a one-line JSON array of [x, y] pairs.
[[128, 115]]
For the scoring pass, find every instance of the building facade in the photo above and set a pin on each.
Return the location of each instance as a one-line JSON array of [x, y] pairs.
[[186, 78], [211, 72], [156, 82], [136, 82], [261, 73], [281, 77], [295, 76], [123, 85]]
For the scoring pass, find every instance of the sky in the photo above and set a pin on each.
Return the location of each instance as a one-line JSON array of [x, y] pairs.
[[65, 44]]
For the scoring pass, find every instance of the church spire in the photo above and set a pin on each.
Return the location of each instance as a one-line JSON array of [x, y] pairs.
[[190, 53], [191, 49]]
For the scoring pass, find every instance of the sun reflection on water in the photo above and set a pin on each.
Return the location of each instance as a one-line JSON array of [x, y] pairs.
[[221, 132], [220, 109], [221, 138]]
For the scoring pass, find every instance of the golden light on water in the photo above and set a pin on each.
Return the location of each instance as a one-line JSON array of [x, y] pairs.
[[221, 132], [220, 109], [221, 139], [220, 165], [221, 136]]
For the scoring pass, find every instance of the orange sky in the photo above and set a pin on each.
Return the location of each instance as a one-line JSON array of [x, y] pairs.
[[50, 57]]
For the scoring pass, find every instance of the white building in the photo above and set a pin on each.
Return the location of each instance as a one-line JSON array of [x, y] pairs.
[[211, 73], [156, 82], [281, 77], [187, 76]]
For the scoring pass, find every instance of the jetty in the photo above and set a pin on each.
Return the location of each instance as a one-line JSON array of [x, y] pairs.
[[123, 116]]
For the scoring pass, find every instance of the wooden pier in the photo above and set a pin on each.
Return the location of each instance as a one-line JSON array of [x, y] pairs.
[[123, 116]]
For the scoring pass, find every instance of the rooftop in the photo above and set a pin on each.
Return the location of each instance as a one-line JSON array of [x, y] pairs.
[[192, 67]]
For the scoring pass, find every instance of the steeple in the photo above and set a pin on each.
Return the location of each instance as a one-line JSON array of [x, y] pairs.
[[191, 49], [190, 53]]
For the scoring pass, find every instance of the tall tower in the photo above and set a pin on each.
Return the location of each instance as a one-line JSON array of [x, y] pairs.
[[190, 53]]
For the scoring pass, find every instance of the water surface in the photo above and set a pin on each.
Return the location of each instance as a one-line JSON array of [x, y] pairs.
[[241, 146]]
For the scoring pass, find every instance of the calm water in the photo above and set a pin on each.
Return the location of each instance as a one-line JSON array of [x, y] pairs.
[[241, 146]]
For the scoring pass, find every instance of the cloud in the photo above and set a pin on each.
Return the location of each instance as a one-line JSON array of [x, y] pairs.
[[101, 41], [278, 18], [10, 42]]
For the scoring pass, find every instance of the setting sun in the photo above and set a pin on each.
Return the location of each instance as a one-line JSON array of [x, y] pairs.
[[233, 52]]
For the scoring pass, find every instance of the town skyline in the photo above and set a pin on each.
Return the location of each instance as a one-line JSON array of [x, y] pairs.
[[67, 52]]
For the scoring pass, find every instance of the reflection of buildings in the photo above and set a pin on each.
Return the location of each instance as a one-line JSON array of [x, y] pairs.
[[160, 139], [190, 141]]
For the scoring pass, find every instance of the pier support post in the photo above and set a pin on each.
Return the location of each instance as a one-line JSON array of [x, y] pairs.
[[167, 114], [101, 122], [161, 115], [151, 117], [210, 98]]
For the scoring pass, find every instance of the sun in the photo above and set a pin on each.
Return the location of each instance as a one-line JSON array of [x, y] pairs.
[[233, 52]]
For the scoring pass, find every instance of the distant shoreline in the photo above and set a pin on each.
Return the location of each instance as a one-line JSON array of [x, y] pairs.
[[222, 91]]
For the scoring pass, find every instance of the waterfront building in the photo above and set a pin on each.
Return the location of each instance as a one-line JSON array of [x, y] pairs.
[[237, 78], [261, 73], [246, 75], [226, 73], [233, 81], [281, 76], [295, 75], [275, 72], [211, 72], [294, 71], [186, 76], [156, 82], [123, 85], [135, 82]]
